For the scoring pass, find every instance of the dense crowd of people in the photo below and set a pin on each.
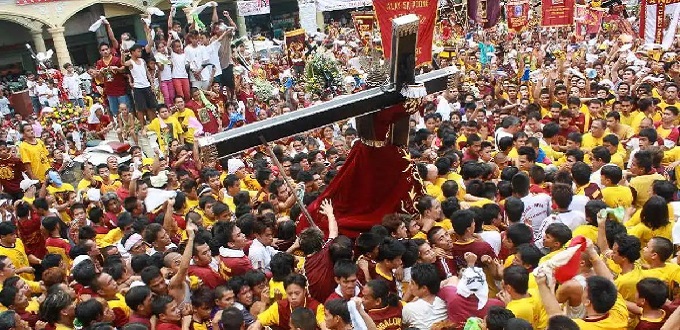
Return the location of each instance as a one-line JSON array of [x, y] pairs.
[[548, 176]]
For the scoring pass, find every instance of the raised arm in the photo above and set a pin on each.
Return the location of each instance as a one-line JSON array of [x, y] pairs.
[[327, 210], [112, 37], [178, 280], [149, 40], [214, 18]]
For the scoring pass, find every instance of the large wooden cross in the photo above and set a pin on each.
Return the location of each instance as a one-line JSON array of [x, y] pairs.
[[363, 104]]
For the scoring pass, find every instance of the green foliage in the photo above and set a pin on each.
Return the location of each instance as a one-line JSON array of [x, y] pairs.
[[322, 72]]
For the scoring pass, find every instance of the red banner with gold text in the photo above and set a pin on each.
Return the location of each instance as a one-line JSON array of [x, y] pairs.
[[363, 23], [557, 12], [426, 10], [517, 14]]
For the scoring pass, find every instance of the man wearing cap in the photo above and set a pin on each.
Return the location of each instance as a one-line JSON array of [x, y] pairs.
[[11, 172], [238, 167], [61, 192]]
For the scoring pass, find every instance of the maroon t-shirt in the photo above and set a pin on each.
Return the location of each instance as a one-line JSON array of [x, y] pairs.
[[209, 277], [386, 318], [167, 326], [10, 174], [461, 308], [319, 272], [114, 83], [479, 248], [134, 318]]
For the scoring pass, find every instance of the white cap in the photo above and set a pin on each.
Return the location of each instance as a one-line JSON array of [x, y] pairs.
[[27, 183], [234, 164]]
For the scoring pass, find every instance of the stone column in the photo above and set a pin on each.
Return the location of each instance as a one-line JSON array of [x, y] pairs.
[[38, 41], [241, 24], [319, 20], [60, 47]]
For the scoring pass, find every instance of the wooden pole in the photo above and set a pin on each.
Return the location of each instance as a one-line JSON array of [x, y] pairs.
[[286, 179]]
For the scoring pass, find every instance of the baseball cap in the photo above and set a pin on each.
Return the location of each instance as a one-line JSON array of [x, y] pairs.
[[27, 183]]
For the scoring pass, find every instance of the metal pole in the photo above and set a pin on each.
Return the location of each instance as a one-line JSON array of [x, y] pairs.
[[286, 179]]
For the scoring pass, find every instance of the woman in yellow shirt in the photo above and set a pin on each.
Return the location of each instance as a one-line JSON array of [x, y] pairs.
[[654, 221]]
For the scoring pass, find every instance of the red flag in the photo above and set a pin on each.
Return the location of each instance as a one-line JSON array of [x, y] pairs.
[[363, 23], [557, 13], [517, 14], [386, 10]]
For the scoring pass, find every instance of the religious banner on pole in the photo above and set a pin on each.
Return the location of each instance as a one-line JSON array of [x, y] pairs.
[[484, 12], [252, 7], [331, 5], [557, 13], [295, 47], [517, 14], [363, 23], [588, 20], [659, 21], [426, 10]]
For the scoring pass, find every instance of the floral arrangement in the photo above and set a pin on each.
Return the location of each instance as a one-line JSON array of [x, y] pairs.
[[263, 89], [64, 114], [322, 73]]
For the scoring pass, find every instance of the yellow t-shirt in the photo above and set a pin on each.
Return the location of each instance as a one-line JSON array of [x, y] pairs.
[[617, 196], [36, 156], [111, 187], [61, 195], [271, 316], [586, 231], [617, 159], [119, 303], [625, 132], [669, 273], [637, 120], [276, 287], [530, 309], [670, 156], [635, 219], [628, 120], [643, 187], [112, 237], [590, 142], [626, 284], [645, 233], [17, 255], [617, 319], [171, 130], [434, 191], [183, 118], [85, 183]]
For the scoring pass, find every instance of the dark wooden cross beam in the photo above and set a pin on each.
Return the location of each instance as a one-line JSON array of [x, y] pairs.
[[361, 104]]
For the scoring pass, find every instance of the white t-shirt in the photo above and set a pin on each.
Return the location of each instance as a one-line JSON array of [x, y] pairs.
[[578, 203], [53, 99], [493, 238], [138, 73], [41, 91], [196, 58], [72, 85], [443, 107], [536, 208], [422, 315], [31, 88], [213, 57], [500, 133], [572, 219], [179, 61]]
